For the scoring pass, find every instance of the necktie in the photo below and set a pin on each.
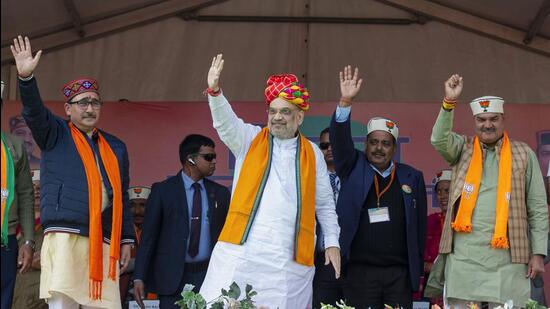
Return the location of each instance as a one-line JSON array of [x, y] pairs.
[[195, 221], [334, 184]]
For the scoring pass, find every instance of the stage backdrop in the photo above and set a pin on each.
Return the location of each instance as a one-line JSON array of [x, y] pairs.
[[153, 130]]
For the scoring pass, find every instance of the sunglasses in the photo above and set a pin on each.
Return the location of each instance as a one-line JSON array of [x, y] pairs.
[[83, 103], [207, 156], [324, 146]]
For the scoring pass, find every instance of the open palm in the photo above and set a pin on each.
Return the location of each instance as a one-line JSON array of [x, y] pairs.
[[215, 72], [349, 84], [22, 53]]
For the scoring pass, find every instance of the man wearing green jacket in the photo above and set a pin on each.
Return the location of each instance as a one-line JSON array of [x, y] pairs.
[[496, 228], [17, 208]]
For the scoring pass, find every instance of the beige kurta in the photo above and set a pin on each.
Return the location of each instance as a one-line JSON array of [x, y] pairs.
[[65, 268], [474, 271]]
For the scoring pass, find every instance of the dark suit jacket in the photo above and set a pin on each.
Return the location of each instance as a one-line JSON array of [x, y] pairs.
[[357, 176], [160, 260], [63, 183]]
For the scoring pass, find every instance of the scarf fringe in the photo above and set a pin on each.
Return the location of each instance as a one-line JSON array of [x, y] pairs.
[[500, 243], [95, 289], [112, 268], [462, 228]]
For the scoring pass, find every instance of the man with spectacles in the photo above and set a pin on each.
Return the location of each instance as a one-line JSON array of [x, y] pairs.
[[381, 208], [85, 210], [183, 219], [326, 288], [280, 185]]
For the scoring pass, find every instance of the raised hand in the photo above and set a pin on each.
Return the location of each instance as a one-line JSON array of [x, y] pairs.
[[453, 87], [215, 72], [22, 53], [349, 85]]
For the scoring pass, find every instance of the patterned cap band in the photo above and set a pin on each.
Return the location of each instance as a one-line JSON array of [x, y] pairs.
[[286, 86], [78, 86]]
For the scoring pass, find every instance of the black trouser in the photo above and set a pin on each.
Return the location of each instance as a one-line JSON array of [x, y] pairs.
[[194, 274], [326, 288], [373, 286], [9, 271]]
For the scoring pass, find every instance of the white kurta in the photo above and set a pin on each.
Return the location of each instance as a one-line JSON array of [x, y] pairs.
[[266, 259]]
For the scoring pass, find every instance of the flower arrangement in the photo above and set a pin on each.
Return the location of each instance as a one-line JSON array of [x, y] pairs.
[[228, 298]]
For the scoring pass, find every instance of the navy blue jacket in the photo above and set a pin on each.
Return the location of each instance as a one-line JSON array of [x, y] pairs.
[[357, 176], [160, 260], [63, 184]]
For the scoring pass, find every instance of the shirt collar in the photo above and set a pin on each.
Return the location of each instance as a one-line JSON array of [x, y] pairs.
[[188, 182], [386, 172]]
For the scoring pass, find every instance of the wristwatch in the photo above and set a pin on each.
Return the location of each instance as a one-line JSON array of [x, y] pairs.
[[31, 243]]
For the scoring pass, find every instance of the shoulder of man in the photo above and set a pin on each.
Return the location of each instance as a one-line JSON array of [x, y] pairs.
[[216, 185], [14, 143], [520, 144], [409, 168], [112, 139]]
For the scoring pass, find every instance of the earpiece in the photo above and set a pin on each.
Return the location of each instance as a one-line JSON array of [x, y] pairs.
[[191, 161]]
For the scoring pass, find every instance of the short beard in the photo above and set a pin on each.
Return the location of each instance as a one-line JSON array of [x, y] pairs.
[[283, 134]]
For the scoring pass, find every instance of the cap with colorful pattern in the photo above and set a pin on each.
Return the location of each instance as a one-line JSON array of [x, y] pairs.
[[78, 86], [286, 86]]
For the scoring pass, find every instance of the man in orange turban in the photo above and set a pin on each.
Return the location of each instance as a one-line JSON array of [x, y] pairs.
[[281, 184]]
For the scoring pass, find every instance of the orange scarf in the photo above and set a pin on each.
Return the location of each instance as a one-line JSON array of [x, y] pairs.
[[468, 199], [249, 190], [93, 177]]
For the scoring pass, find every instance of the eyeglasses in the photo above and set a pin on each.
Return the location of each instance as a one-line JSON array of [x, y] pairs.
[[284, 111], [83, 103], [207, 156], [324, 146]]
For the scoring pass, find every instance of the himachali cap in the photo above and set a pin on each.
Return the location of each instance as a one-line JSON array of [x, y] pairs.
[[443, 175], [35, 174], [78, 86], [286, 86], [383, 124], [487, 104], [139, 192]]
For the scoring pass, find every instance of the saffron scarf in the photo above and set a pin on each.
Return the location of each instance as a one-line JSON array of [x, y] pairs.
[[468, 198], [8, 186], [93, 178], [249, 190]]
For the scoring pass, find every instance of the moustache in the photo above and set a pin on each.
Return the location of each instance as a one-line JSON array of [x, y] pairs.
[[378, 154], [485, 130], [88, 115], [278, 122]]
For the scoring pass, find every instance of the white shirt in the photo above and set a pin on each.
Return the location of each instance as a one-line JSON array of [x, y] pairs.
[[266, 259]]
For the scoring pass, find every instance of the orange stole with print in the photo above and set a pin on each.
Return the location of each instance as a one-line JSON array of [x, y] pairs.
[[249, 190]]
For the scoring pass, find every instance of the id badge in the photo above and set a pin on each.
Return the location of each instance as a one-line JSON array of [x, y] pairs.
[[380, 214]]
